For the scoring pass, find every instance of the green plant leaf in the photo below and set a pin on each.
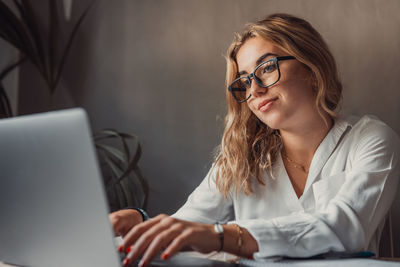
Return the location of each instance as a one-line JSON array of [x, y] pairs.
[[5, 107], [110, 133], [14, 31], [137, 156], [133, 167], [7, 28], [125, 136], [115, 152], [68, 46], [116, 170], [125, 186], [144, 185], [120, 194], [127, 171], [107, 133], [12, 66], [130, 176], [54, 26], [107, 155], [115, 185], [28, 17]]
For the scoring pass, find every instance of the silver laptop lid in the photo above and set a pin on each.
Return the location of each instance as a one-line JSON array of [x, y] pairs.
[[52, 203]]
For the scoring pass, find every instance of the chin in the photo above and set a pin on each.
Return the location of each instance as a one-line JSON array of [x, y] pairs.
[[273, 121]]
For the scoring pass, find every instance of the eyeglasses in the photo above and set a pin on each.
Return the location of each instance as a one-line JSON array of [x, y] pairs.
[[265, 74]]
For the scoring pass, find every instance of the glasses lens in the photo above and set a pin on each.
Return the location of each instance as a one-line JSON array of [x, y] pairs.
[[239, 88], [267, 73]]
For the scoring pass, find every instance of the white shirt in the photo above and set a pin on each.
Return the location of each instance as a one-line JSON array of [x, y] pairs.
[[351, 184]]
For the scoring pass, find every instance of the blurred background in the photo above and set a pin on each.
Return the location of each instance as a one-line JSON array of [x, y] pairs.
[[156, 68]]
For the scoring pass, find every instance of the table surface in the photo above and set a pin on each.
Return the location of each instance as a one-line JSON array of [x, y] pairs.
[[186, 260]]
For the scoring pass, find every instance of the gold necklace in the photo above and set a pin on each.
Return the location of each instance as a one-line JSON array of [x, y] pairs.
[[295, 164]]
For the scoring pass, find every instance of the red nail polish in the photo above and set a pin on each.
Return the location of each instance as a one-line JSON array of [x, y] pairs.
[[142, 263], [164, 256], [128, 249], [126, 262], [120, 248]]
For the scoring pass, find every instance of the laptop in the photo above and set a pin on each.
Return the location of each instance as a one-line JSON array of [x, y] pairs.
[[52, 202]]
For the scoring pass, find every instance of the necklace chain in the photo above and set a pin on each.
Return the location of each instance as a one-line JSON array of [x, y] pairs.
[[295, 164]]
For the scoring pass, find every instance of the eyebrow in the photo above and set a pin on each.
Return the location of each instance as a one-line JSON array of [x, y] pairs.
[[259, 61]]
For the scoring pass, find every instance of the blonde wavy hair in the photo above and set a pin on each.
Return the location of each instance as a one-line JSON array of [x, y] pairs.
[[249, 146]]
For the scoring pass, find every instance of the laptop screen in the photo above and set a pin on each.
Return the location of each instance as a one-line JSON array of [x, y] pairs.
[[52, 203]]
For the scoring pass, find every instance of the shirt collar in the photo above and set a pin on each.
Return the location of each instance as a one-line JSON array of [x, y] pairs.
[[325, 149]]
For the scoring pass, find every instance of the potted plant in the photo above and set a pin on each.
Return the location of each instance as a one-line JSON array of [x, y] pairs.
[[118, 152]]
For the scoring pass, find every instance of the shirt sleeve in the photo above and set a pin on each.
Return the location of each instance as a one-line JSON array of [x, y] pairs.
[[347, 220], [206, 204]]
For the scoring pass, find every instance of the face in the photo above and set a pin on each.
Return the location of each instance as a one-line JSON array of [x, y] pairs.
[[286, 104]]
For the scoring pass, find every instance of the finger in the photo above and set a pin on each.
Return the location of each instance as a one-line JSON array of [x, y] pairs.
[[177, 244], [144, 240], [123, 220], [133, 235], [160, 242], [147, 237], [116, 223]]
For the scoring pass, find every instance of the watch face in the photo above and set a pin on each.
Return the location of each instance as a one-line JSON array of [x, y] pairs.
[[218, 228]]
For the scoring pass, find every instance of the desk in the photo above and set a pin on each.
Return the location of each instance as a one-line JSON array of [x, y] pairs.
[[353, 262], [183, 260], [180, 260]]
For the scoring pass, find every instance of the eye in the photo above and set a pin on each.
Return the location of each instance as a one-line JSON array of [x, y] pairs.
[[246, 83], [268, 67]]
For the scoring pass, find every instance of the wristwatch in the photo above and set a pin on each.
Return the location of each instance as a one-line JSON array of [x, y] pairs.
[[144, 214], [219, 229]]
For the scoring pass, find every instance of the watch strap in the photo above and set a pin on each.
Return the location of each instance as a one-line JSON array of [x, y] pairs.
[[142, 212], [219, 229]]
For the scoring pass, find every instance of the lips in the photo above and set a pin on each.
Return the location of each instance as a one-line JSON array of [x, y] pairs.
[[266, 104]]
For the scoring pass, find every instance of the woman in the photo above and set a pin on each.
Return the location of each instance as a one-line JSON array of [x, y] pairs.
[[291, 178]]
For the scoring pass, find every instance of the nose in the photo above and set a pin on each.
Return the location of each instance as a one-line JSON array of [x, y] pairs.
[[255, 89]]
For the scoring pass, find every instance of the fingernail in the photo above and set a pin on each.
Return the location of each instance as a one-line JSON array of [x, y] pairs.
[[120, 248], [164, 256], [128, 249], [126, 262], [142, 263]]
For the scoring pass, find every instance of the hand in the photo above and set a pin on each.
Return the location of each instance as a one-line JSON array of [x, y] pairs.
[[124, 220], [169, 235]]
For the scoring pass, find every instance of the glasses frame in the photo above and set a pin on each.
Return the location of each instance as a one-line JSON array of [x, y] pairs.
[[258, 81]]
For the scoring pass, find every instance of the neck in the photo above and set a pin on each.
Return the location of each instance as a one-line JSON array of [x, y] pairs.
[[300, 144]]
